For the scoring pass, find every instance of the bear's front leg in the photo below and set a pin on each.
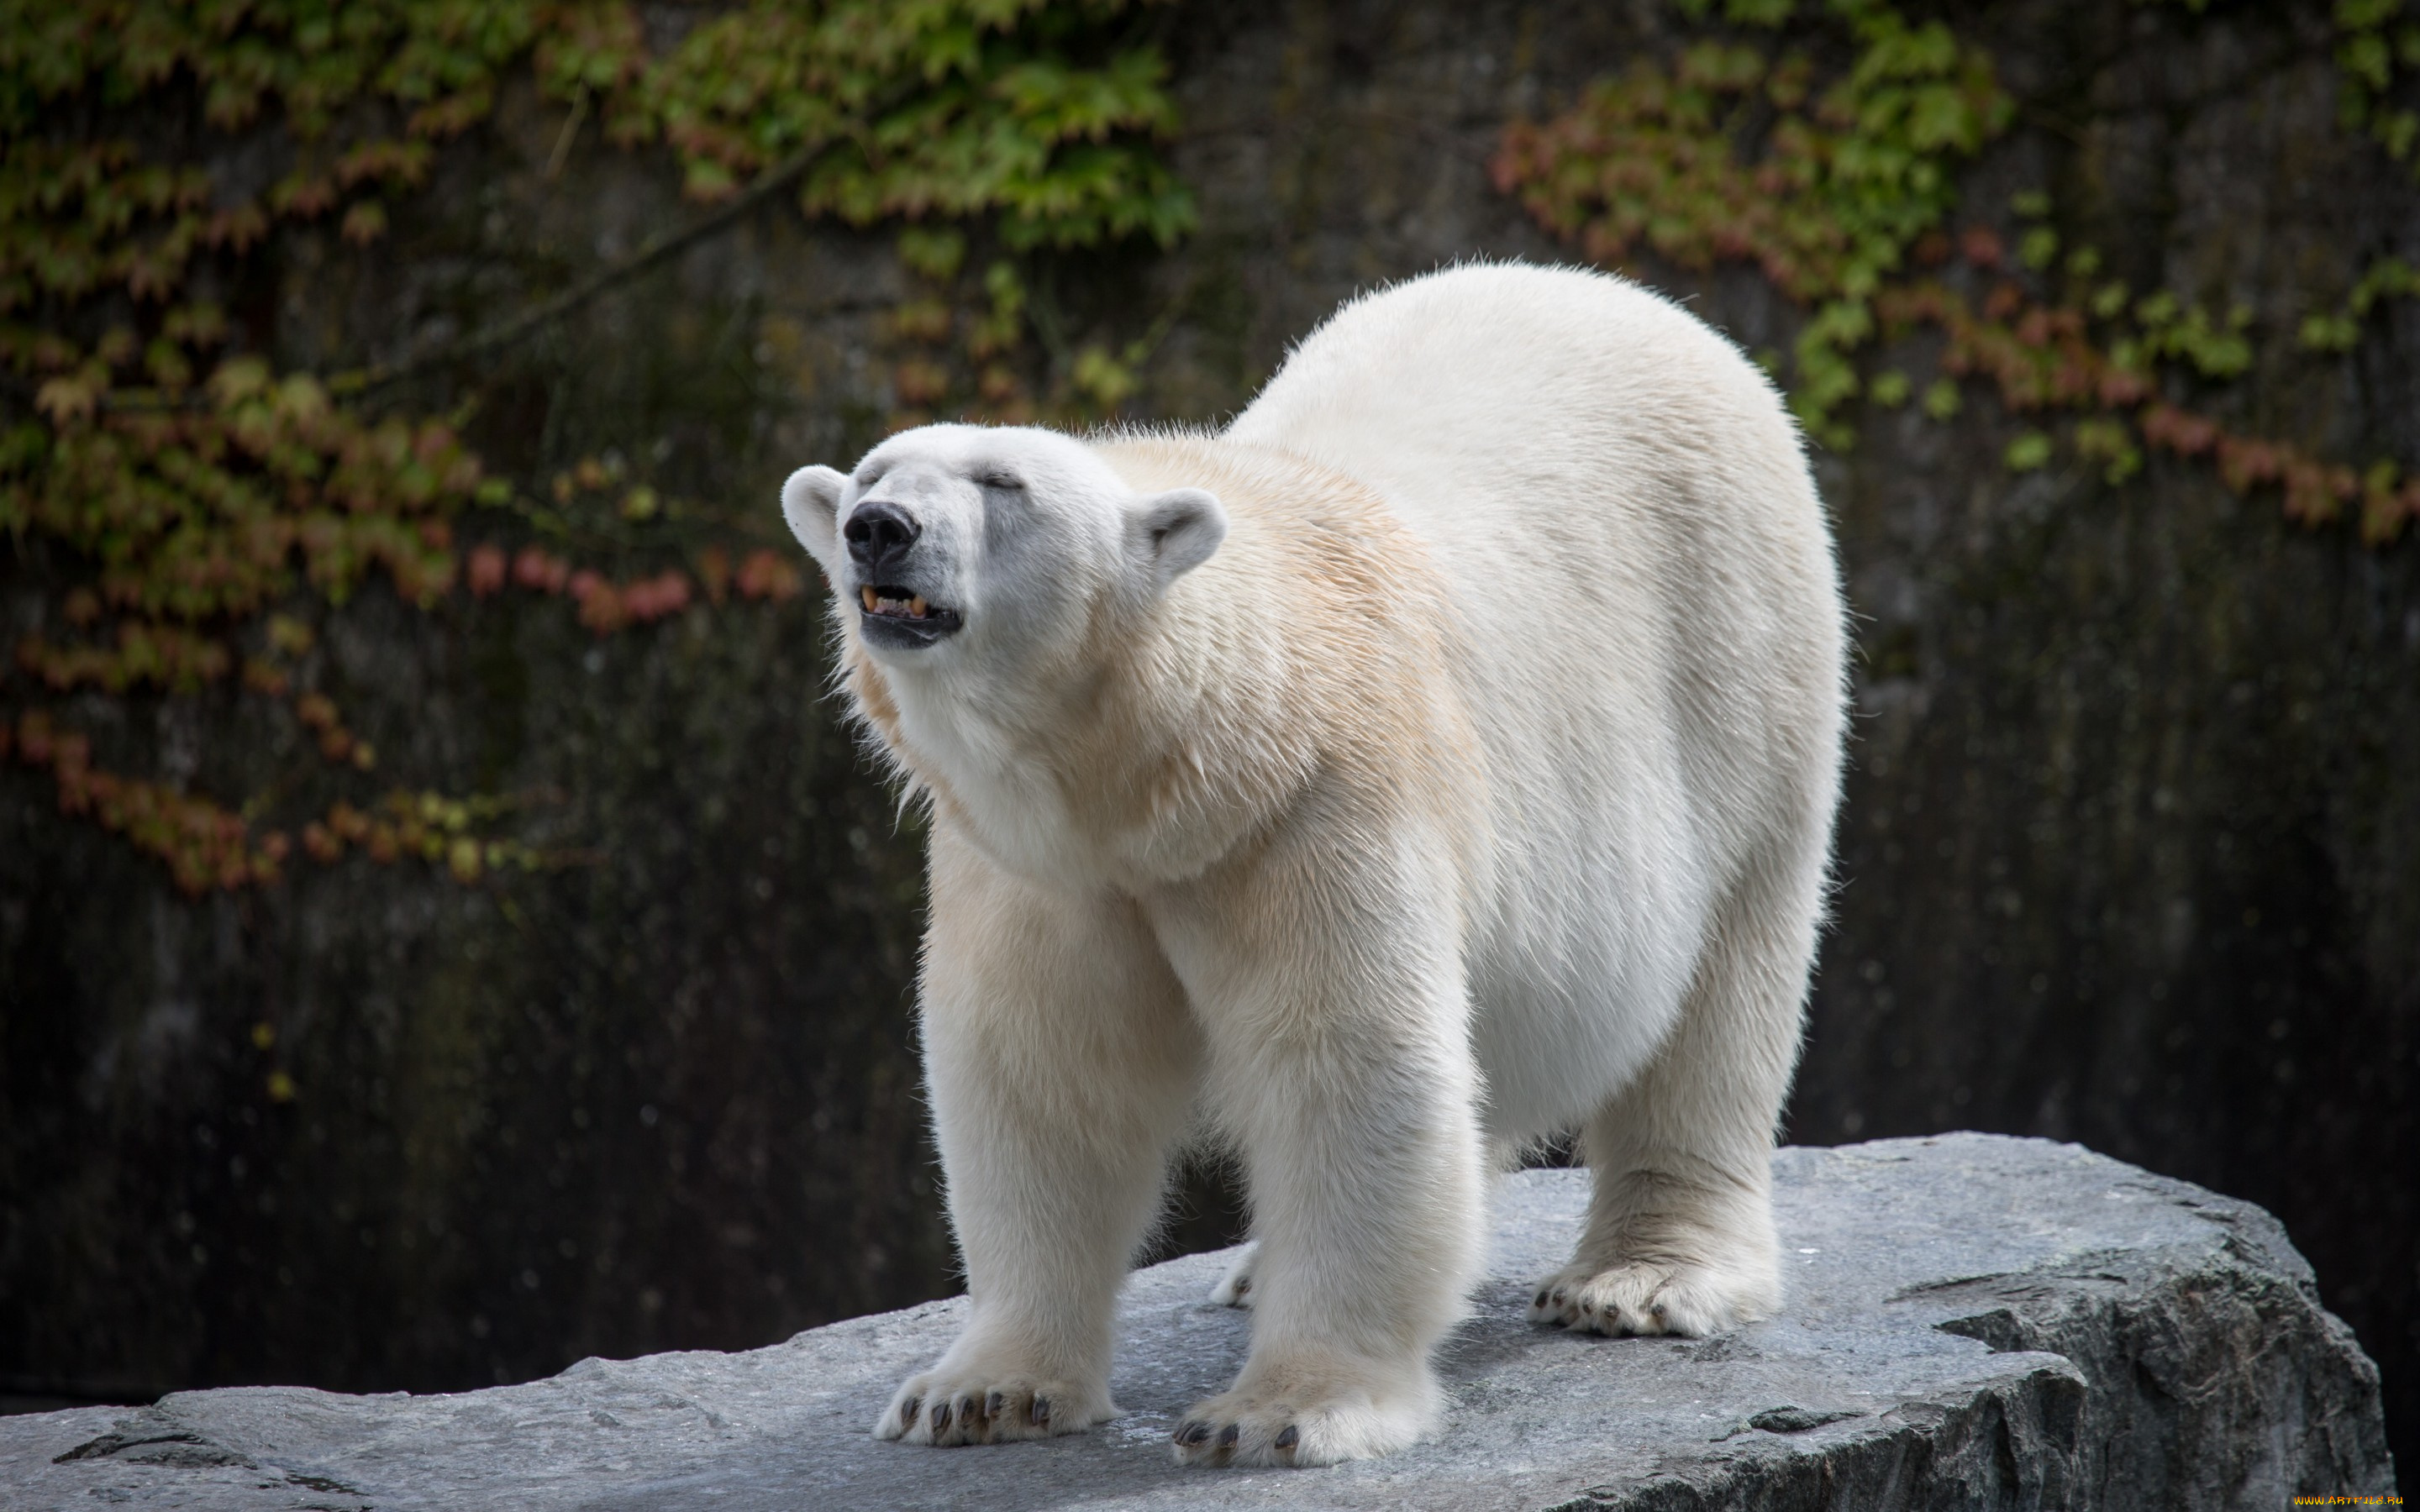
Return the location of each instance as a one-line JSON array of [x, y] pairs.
[[1062, 1064], [1330, 992]]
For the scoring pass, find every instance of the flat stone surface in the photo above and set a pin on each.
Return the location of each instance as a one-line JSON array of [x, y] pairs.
[[1972, 1322]]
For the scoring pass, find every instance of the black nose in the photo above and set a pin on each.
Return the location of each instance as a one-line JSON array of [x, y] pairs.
[[878, 533]]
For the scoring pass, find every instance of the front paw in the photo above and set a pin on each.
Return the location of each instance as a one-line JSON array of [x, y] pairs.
[[1638, 1297], [956, 1406], [1314, 1417]]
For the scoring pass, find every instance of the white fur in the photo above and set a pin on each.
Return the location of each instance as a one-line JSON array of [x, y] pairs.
[[1443, 756]]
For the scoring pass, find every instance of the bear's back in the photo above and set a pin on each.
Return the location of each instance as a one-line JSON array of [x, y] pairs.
[[1617, 493], [1427, 380]]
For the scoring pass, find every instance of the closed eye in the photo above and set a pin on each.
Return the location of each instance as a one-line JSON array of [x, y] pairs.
[[1000, 480]]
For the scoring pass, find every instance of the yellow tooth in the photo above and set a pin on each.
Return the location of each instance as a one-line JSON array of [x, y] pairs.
[[867, 594], [916, 606]]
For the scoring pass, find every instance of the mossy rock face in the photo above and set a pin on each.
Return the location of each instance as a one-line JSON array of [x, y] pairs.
[[2125, 858], [373, 1126]]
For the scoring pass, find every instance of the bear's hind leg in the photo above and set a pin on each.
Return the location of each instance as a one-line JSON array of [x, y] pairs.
[[1234, 1288], [1680, 1236]]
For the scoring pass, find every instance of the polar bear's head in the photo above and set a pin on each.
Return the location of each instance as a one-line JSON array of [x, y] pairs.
[[951, 543]]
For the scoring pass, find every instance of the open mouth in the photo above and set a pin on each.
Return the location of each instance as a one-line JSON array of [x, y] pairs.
[[896, 609]]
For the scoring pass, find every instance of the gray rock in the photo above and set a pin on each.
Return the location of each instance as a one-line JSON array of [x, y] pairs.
[[1973, 1322]]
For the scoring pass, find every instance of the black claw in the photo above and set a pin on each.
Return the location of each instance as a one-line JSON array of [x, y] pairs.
[[1538, 1301], [1041, 1411], [993, 1403], [1243, 1284], [1193, 1432], [1558, 1299], [1228, 1435], [940, 1418], [908, 1409], [1290, 1437]]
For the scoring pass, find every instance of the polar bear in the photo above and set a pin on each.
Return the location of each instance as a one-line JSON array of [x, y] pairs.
[[1441, 756]]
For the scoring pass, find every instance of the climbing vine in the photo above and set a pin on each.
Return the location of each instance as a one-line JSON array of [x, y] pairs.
[[190, 515], [1854, 173], [1837, 185], [2375, 42]]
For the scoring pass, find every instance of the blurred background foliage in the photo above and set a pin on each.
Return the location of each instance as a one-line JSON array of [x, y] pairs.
[[444, 928]]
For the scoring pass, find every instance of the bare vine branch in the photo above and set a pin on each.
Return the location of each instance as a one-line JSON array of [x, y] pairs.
[[547, 311]]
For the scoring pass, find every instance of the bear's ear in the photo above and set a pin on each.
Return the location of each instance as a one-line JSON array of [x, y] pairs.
[[1173, 533], [811, 503]]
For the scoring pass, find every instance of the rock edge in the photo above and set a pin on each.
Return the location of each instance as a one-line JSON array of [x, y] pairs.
[[1974, 1321]]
